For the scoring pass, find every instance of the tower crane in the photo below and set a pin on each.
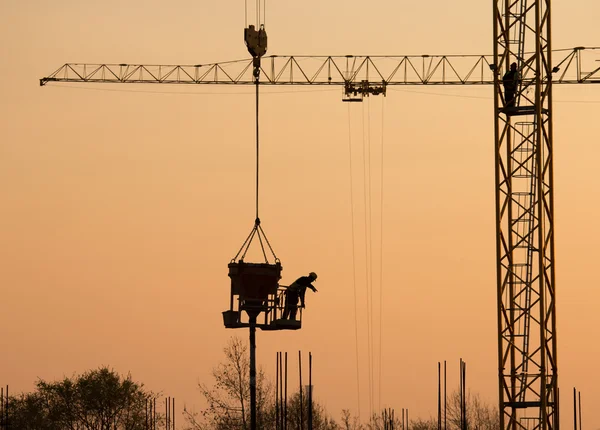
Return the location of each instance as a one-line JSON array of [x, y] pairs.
[[524, 180]]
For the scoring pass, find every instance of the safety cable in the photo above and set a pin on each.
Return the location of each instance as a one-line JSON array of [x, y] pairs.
[[370, 244], [271, 92], [374, 333], [367, 268], [381, 252], [373, 239], [354, 263]]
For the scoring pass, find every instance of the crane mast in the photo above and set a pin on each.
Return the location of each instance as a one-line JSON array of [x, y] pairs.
[[527, 342]]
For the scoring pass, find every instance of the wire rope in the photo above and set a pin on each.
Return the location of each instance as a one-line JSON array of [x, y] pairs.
[[257, 150], [193, 93], [366, 242], [318, 89], [369, 219], [270, 93], [262, 247], [268, 243], [247, 241], [354, 263], [381, 251]]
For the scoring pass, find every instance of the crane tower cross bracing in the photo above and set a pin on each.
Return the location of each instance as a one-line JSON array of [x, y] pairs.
[[527, 342], [526, 282]]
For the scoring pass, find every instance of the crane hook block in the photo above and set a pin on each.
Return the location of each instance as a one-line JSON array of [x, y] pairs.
[[256, 40]]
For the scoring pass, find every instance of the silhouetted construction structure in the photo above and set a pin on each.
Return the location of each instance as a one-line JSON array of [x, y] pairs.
[[524, 179]]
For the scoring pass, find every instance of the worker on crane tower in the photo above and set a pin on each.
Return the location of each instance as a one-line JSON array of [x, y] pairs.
[[297, 291], [511, 82]]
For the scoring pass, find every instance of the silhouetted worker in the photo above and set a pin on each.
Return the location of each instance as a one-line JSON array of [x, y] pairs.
[[510, 81], [296, 291]]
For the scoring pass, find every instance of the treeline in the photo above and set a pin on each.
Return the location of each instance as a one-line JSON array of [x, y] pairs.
[[96, 400], [104, 400], [228, 399]]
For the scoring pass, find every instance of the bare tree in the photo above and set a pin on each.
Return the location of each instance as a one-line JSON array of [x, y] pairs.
[[228, 398], [297, 414], [349, 422], [423, 424], [479, 415], [385, 420]]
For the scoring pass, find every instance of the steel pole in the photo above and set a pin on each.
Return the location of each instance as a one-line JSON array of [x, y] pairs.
[[252, 371]]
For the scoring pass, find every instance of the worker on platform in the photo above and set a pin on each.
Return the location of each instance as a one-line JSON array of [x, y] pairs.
[[511, 82], [297, 291]]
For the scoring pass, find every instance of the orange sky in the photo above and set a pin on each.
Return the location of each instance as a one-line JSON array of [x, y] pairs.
[[122, 205]]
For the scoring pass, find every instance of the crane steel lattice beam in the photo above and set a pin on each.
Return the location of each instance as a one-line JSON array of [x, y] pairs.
[[527, 346], [574, 66]]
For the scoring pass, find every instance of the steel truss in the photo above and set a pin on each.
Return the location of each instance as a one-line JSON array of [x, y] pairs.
[[527, 347], [575, 65]]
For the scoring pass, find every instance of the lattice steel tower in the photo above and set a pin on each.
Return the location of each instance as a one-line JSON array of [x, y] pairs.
[[527, 348]]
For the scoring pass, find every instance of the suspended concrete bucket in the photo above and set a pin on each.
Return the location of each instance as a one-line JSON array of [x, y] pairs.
[[254, 281], [253, 288]]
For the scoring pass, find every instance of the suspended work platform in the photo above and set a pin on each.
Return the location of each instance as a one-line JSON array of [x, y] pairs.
[[255, 288], [356, 92]]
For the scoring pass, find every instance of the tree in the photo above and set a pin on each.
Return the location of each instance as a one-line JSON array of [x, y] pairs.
[[96, 400], [385, 420], [349, 422], [228, 399], [29, 411], [480, 415], [297, 414], [424, 424]]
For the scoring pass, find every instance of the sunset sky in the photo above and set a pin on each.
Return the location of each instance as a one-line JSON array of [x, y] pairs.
[[123, 204]]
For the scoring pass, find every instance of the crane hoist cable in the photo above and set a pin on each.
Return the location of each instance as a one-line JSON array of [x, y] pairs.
[[256, 78], [256, 41]]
